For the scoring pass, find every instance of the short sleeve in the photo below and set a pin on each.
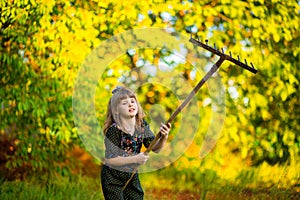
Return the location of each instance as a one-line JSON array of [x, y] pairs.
[[148, 135], [112, 142]]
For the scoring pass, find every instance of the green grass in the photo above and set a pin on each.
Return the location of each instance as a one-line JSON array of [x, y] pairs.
[[156, 187], [59, 189]]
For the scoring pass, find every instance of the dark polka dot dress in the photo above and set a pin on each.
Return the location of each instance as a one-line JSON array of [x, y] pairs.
[[118, 143]]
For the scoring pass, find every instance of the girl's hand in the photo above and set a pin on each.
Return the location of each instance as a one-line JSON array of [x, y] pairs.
[[165, 129], [141, 158]]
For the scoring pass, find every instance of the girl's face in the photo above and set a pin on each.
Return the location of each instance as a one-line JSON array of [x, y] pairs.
[[128, 107]]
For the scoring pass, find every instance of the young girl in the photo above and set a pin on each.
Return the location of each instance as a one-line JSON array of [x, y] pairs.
[[125, 132]]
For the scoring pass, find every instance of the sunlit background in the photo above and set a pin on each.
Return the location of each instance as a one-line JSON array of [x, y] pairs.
[[45, 47]]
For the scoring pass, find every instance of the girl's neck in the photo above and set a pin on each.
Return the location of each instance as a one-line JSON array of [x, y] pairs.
[[128, 125]]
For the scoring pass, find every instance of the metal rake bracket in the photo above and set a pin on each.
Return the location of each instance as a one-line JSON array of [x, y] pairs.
[[222, 55]]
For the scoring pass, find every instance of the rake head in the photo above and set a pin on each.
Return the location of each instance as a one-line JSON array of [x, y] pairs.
[[222, 55]]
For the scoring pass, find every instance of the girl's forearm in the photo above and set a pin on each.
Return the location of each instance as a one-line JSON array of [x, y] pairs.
[[159, 145], [119, 161]]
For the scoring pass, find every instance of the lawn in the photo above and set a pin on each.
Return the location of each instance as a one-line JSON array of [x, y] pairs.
[[63, 188]]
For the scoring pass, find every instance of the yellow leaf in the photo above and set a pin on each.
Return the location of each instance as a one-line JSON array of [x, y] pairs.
[[283, 95], [256, 22], [255, 33], [233, 133], [244, 152], [243, 136], [290, 89], [276, 37], [42, 130], [261, 100], [265, 114]]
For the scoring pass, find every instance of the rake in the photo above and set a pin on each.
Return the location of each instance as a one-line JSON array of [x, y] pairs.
[[215, 67]]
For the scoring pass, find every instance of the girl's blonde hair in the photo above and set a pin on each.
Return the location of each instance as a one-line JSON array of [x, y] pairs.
[[112, 117]]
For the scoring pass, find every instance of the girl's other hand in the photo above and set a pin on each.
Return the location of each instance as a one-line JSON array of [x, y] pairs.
[[165, 129], [142, 158]]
